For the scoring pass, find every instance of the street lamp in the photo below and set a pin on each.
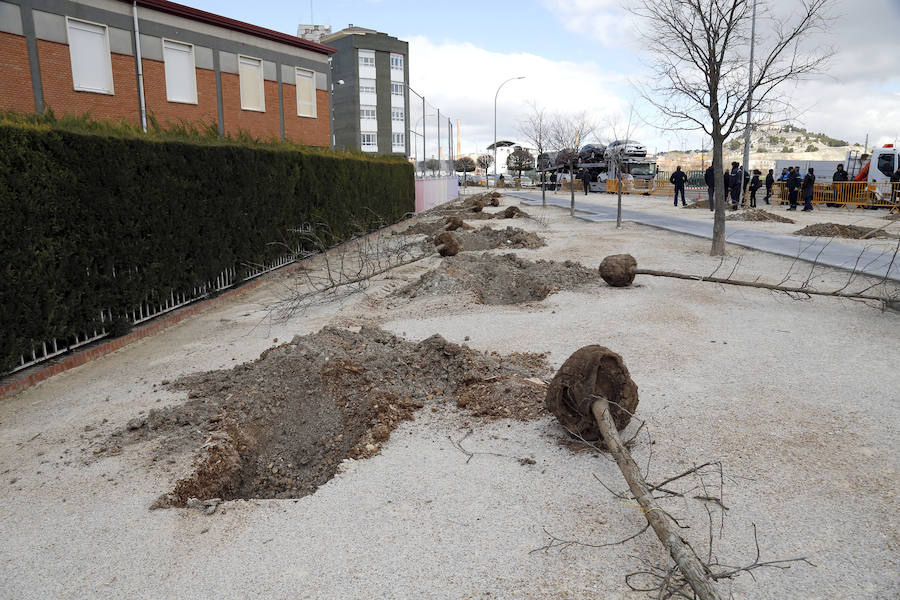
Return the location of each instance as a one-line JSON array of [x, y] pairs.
[[495, 124], [749, 105]]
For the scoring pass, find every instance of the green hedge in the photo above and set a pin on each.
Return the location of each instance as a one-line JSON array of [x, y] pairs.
[[165, 215]]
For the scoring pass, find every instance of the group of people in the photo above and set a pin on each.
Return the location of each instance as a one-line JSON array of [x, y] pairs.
[[736, 182]]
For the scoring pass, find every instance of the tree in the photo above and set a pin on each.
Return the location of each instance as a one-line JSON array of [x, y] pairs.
[[568, 132], [535, 128], [484, 162], [433, 165], [520, 160], [616, 159], [701, 54], [464, 165], [812, 148]]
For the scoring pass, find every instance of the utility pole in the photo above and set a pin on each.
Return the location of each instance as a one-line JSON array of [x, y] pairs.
[[749, 103]]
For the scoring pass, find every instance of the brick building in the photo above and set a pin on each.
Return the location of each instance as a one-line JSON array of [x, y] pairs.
[[81, 56]]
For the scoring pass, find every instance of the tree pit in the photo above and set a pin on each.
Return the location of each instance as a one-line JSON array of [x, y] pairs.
[[499, 279], [280, 426]]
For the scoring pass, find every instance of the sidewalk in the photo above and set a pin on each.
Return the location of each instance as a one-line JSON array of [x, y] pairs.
[[822, 251]]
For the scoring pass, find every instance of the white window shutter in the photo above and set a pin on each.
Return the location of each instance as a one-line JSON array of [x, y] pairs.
[[89, 53], [181, 74], [306, 93], [252, 95]]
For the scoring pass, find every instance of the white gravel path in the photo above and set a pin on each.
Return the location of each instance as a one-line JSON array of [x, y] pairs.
[[799, 399]]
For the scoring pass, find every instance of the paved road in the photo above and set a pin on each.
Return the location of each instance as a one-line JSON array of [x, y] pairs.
[[823, 251]]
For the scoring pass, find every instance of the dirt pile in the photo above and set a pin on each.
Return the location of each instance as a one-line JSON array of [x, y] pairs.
[[757, 214], [830, 230], [698, 204], [486, 238], [429, 228], [499, 279], [278, 427]]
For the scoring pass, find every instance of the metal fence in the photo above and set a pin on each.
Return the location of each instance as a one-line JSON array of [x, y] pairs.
[[150, 308], [431, 138]]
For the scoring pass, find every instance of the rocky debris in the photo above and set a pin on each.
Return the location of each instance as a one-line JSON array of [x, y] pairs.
[[499, 279], [446, 244], [280, 426], [757, 214], [618, 270], [853, 232]]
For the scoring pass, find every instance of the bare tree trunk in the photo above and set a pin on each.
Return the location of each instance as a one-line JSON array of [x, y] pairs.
[[718, 240], [619, 203], [572, 187], [789, 289], [690, 565], [544, 189]]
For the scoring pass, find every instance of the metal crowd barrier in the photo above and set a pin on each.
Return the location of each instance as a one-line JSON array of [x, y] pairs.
[[850, 195]]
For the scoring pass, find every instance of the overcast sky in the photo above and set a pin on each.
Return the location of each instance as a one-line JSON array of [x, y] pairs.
[[585, 55]]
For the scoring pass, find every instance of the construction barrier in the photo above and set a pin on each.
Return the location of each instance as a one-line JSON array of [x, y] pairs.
[[846, 194]]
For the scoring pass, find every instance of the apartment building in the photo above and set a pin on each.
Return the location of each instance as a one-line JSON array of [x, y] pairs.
[[371, 107], [121, 60]]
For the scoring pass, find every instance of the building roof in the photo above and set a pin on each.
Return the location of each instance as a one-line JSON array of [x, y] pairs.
[[195, 14], [354, 30]]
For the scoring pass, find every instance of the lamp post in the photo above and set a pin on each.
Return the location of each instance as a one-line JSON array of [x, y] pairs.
[[333, 83], [495, 123]]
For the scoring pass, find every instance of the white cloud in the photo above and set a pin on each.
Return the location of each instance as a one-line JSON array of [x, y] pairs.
[[603, 20], [461, 79]]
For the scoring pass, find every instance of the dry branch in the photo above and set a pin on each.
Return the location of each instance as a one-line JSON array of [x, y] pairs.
[[692, 568]]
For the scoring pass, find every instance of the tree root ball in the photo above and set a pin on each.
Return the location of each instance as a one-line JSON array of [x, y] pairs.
[[512, 212], [454, 223], [591, 371], [447, 244], [494, 201], [477, 206], [618, 270]]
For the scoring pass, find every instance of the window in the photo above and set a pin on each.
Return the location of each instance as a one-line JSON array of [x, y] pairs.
[[367, 112], [397, 89], [306, 93], [367, 58], [397, 61], [397, 114], [181, 75], [398, 139], [366, 86], [89, 53], [368, 140], [251, 74], [886, 164]]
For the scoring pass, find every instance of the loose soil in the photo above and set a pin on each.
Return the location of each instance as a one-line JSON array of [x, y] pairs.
[[757, 214], [486, 238], [500, 279], [279, 427], [698, 204], [830, 230]]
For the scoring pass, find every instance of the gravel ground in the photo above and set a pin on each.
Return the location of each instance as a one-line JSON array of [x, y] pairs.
[[798, 398]]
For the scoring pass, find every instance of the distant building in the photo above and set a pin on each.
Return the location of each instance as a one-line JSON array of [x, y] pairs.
[[504, 149], [80, 56], [371, 107], [313, 33]]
